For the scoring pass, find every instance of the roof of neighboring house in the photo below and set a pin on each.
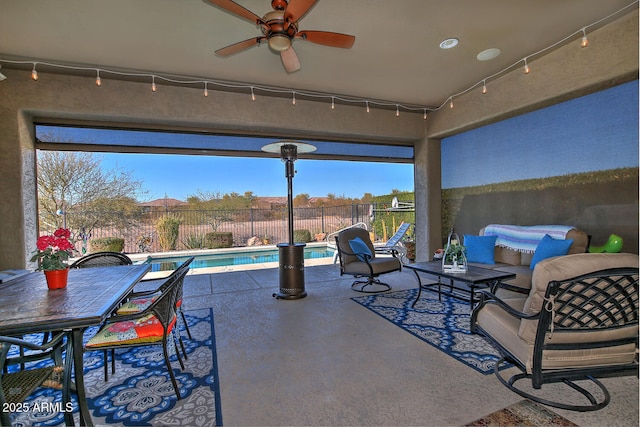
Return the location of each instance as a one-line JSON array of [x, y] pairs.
[[165, 201]]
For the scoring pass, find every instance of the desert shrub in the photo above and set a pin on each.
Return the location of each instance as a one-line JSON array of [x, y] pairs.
[[302, 236], [167, 228], [194, 241], [218, 239], [107, 244]]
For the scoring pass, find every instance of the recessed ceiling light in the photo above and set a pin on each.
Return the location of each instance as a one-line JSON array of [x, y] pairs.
[[448, 43], [488, 54]]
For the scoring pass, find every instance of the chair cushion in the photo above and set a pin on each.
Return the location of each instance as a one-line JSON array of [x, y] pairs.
[[360, 248], [136, 305], [480, 248], [562, 268], [147, 329], [549, 247], [504, 329], [379, 265]]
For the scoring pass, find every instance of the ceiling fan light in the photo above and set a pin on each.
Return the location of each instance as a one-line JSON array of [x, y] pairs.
[[279, 42]]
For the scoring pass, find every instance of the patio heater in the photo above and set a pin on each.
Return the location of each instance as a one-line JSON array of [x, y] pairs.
[[291, 254]]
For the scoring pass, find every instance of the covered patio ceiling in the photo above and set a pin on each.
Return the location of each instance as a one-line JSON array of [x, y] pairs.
[[396, 61]]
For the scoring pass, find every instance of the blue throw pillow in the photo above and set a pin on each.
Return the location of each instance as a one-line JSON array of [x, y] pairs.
[[480, 248], [549, 247], [360, 248]]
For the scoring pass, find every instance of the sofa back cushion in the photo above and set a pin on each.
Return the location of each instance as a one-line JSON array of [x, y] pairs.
[[580, 241], [562, 268], [510, 256]]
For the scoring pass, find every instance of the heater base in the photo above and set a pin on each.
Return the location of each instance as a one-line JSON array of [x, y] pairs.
[[291, 271]]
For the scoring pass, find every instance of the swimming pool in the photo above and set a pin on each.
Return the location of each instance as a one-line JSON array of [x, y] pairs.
[[231, 258]]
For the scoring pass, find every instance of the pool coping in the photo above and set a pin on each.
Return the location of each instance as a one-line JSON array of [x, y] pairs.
[[141, 257]]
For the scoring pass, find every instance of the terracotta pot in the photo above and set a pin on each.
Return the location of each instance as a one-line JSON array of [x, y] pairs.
[[57, 279]]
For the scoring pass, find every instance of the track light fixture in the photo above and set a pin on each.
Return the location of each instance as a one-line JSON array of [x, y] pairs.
[[34, 73], [527, 70], [98, 79], [153, 84]]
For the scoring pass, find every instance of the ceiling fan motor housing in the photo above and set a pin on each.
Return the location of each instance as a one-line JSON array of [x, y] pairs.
[[278, 32]]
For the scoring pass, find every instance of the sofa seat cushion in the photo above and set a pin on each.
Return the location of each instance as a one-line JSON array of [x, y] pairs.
[[522, 281]]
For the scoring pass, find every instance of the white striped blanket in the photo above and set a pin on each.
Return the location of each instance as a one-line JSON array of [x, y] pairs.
[[524, 238]]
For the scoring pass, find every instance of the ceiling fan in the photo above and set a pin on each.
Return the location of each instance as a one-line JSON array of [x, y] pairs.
[[279, 28]]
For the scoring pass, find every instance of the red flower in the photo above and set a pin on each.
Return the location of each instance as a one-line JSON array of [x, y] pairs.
[[53, 251], [62, 232]]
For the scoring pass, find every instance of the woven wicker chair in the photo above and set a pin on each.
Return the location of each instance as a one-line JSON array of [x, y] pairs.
[[102, 259], [140, 300], [580, 321], [18, 377], [159, 319]]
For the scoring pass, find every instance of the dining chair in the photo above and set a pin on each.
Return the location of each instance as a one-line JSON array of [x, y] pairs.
[[139, 300], [101, 259], [151, 326], [22, 373]]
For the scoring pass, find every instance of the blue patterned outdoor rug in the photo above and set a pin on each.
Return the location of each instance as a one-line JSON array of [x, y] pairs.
[[140, 392], [443, 324]]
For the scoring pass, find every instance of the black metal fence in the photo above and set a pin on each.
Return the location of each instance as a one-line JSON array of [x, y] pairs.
[[139, 228]]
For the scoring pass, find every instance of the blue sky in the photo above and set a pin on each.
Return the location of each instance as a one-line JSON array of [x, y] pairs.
[[179, 176]]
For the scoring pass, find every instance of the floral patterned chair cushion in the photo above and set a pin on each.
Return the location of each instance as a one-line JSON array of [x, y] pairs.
[[136, 305], [147, 329]]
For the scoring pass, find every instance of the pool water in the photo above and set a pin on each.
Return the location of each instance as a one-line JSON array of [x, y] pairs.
[[231, 258]]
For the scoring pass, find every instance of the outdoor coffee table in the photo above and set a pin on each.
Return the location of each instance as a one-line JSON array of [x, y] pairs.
[[474, 277]]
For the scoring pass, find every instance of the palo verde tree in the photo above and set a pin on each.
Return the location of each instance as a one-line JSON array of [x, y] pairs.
[[74, 188]]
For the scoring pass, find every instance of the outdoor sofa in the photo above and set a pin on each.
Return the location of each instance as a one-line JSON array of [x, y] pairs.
[[515, 250]]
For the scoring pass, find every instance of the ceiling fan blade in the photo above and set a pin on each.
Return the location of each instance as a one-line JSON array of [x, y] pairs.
[[290, 60], [326, 38], [240, 46], [296, 9], [236, 9]]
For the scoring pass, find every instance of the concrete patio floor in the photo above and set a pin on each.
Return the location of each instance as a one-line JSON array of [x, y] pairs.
[[326, 360]]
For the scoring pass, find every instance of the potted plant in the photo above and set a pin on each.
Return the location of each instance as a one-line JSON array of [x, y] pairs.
[[454, 259], [52, 253]]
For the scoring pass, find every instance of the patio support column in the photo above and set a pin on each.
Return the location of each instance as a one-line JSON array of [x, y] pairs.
[[428, 198]]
